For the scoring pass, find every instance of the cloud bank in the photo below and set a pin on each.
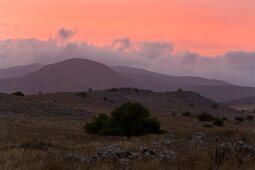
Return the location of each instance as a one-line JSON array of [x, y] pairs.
[[237, 67]]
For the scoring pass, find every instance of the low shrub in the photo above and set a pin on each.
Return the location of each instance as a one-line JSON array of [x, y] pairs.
[[250, 117], [207, 125], [205, 117], [82, 94], [113, 90], [186, 114], [239, 119], [215, 106], [218, 122], [225, 118], [18, 94]]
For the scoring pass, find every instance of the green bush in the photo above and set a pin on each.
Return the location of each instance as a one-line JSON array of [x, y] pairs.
[[98, 123], [130, 119], [250, 117], [239, 119], [218, 122], [205, 117]]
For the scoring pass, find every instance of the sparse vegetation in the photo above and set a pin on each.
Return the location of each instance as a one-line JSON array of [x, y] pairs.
[[250, 117], [113, 90], [18, 94], [225, 118], [218, 121], [215, 106], [239, 119], [82, 94], [180, 90], [207, 125], [130, 119], [205, 117], [186, 114]]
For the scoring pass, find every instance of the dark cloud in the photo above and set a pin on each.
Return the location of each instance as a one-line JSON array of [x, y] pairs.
[[237, 66], [65, 34], [121, 44]]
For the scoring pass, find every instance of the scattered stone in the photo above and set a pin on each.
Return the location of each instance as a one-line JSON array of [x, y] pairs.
[[167, 155], [198, 138], [110, 151], [148, 153]]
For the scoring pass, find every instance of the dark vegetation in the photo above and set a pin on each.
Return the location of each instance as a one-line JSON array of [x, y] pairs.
[[218, 122], [205, 117], [186, 114], [215, 106], [18, 94], [130, 119], [250, 117], [239, 119]]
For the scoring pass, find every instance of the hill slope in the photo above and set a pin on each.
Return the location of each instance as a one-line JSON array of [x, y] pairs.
[[159, 103], [19, 71], [69, 75], [223, 93]]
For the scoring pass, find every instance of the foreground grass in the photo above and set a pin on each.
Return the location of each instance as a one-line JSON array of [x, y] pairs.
[[42, 142]]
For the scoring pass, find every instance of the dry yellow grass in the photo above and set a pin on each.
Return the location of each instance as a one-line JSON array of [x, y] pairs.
[[42, 142]]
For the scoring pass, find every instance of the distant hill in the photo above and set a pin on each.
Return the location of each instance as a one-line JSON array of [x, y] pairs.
[[247, 104], [223, 93], [80, 74], [19, 71], [66, 76], [161, 82], [103, 101]]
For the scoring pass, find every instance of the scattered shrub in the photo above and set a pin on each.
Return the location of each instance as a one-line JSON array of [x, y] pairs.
[[18, 94], [180, 90], [90, 89], [205, 117], [250, 117], [239, 119], [243, 111], [113, 90], [207, 125], [218, 122], [215, 106], [136, 90], [130, 119], [186, 114], [104, 98], [225, 118], [82, 94], [173, 114]]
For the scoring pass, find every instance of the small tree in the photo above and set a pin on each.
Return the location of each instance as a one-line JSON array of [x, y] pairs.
[[98, 123], [130, 119]]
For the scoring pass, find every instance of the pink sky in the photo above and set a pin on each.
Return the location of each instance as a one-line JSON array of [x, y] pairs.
[[208, 27]]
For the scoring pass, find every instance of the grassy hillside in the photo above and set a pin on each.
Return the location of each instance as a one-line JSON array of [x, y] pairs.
[[45, 132]]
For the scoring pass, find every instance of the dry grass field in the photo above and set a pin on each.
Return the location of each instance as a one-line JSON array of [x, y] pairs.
[[44, 141]]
